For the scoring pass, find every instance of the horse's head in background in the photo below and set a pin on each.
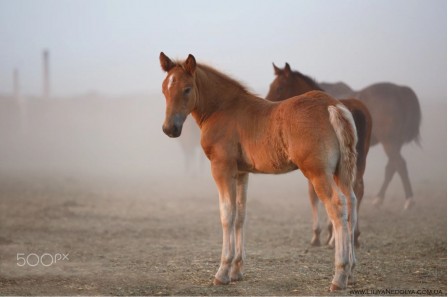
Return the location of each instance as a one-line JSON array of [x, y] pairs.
[[180, 93], [288, 83], [283, 85]]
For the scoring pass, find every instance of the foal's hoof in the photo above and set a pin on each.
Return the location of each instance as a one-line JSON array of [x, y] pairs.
[[334, 288], [409, 204], [218, 282]]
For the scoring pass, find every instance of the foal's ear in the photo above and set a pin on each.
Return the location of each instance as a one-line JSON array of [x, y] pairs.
[[287, 69], [190, 64], [165, 62], [277, 70]]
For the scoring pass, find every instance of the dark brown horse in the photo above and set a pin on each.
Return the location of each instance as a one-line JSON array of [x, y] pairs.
[[242, 133], [396, 118], [288, 83]]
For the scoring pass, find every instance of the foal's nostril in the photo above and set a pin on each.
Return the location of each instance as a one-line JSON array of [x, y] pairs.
[[172, 131], [165, 130]]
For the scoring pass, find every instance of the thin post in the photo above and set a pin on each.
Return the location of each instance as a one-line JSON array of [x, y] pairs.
[[16, 84], [46, 74], [23, 107]]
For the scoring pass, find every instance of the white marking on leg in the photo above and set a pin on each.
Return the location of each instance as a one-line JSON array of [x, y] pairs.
[[337, 210], [353, 214], [336, 207], [227, 212]]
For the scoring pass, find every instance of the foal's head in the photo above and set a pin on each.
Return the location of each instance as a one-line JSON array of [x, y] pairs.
[[180, 93], [288, 83]]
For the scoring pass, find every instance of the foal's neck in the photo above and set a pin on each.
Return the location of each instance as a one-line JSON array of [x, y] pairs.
[[216, 92]]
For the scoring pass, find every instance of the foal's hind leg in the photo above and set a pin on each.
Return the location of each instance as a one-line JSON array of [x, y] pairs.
[[236, 271], [352, 203], [336, 206], [315, 241]]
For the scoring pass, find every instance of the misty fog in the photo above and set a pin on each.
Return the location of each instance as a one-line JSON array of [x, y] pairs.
[[120, 139]]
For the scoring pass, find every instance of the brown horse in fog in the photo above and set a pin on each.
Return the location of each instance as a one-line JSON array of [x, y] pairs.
[[242, 133], [337, 90], [288, 83], [396, 118]]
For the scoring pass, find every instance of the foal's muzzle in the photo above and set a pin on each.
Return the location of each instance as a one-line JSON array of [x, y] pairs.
[[173, 131], [173, 128]]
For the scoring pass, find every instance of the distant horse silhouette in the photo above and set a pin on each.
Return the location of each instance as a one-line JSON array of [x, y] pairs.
[[288, 83], [338, 90], [190, 143], [396, 118], [242, 133]]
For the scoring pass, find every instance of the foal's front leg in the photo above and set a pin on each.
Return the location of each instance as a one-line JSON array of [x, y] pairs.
[[225, 178], [236, 272]]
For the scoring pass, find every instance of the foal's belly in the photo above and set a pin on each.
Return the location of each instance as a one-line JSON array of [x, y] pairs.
[[265, 164]]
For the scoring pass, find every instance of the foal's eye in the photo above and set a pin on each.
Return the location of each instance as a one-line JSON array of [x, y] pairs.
[[187, 91]]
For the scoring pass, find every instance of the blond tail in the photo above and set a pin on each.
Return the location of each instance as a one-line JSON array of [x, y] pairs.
[[343, 124]]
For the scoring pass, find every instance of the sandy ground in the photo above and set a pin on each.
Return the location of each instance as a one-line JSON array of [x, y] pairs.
[[151, 239]]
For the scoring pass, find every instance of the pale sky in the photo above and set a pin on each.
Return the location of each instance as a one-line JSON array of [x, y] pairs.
[[113, 46]]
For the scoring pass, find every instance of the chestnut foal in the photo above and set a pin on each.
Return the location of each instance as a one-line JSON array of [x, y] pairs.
[[242, 133]]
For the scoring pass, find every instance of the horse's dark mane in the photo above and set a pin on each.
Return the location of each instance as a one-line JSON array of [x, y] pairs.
[[308, 80]]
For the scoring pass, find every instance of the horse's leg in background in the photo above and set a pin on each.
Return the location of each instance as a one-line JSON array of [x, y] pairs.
[[358, 188], [396, 164], [190, 142], [389, 173], [226, 181], [236, 272], [187, 154], [404, 175], [336, 206], [315, 241], [330, 238]]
